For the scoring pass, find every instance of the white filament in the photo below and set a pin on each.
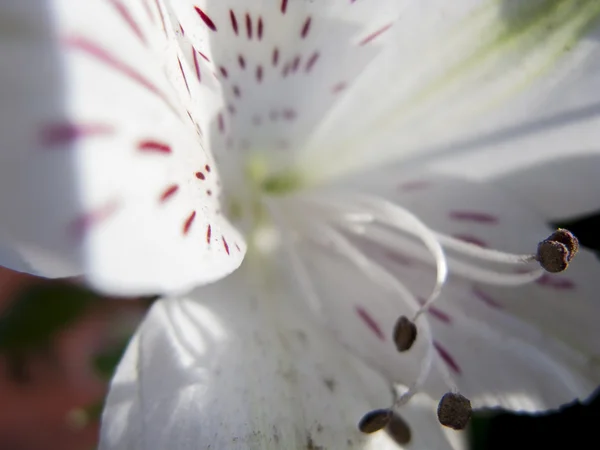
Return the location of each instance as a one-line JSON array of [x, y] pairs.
[[382, 276], [395, 216], [391, 240]]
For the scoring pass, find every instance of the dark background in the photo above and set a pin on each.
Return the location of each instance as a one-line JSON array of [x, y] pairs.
[[576, 427]]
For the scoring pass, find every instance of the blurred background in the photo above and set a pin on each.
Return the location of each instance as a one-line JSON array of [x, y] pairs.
[[59, 344]]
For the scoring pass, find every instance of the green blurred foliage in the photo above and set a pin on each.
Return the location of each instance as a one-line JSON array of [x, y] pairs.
[[39, 312]]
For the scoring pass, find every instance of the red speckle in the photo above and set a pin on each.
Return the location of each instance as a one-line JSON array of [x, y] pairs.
[[242, 61], [415, 185], [225, 245], [162, 16], [148, 11], [249, 26], [370, 322], [168, 192], [188, 222], [437, 313], [296, 64], [203, 56], [200, 176], [448, 359], [236, 91], [275, 56], [471, 240], [485, 298], [375, 34], [338, 87], [153, 146], [208, 233], [473, 216], [83, 223], [207, 20], [183, 74], [128, 18], [207, 168], [102, 55], [196, 65], [289, 114], [234, 23], [182, 30], [305, 27], [259, 73], [260, 28], [67, 133], [555, 282], [284, 6], [223, 71], [221, 122], [311, 61], [209, 192]]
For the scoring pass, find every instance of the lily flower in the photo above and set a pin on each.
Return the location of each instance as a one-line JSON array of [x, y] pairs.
[[379, 166]]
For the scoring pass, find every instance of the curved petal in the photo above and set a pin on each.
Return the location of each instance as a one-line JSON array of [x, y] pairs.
[[280, 65], [515, 79], [525, 348], [239, 365], [103, 172]]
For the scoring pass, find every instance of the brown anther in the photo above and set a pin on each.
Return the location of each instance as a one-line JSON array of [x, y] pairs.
[[566, 238], [454, 411], [375, 420], [553, 256], [398, 430], [405, 334]]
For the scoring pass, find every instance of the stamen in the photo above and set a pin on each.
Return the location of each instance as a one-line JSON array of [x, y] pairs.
[[405, 334], [375, 420], [454, 411], [397, 217], [383, 277], [568, 239], [553, 256], [555, 253], [398, 430], [407, 246]]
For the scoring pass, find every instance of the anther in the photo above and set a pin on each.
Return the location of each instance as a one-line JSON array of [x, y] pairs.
[[566, 238], [405, 334], [398, 430], [454, 411], [555, 253], [375, 420]]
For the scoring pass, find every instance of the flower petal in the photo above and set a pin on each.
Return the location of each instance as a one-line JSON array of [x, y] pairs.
[[103, 172], [506, 77], [239, 365], [527, 348], [280, 65]]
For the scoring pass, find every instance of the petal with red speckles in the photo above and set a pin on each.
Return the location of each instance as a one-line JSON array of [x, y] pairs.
[[99, 155], [279, 64], [532, 347], [183, 369]]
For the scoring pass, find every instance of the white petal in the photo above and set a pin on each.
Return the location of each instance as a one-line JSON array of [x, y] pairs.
[[280, 64], [99, 158], [527, 348], [240, 365], [506, 77]]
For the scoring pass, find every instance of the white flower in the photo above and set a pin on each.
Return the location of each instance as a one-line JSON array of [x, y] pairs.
[[347, 134]]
